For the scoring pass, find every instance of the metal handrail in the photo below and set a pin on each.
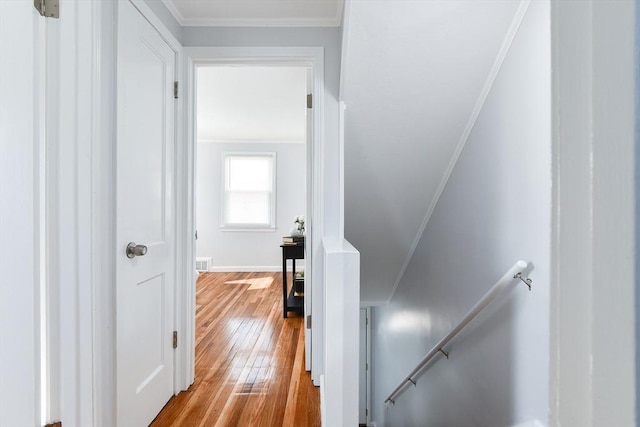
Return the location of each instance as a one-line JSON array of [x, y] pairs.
[[515, 272]]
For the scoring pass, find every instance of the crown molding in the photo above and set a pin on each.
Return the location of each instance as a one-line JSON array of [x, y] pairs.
[[203, 21]]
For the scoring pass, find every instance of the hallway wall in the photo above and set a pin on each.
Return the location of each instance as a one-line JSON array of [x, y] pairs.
[[494, 210], [238, 250]]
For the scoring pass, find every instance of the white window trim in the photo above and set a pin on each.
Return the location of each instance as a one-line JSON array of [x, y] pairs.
[[224, 226]]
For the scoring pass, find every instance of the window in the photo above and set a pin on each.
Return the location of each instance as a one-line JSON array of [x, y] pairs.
[[249, 191]]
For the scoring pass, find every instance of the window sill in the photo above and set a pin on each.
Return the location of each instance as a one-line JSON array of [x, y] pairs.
[[248, 229]]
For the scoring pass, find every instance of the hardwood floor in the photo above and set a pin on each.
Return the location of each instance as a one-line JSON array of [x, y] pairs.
[[249, 360]]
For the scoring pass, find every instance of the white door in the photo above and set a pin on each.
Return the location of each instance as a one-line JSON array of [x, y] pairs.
[[145, 215]]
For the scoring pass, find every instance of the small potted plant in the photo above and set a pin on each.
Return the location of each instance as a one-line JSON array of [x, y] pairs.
[[298, 230]]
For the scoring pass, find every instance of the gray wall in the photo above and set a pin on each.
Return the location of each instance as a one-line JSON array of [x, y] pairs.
[[161, 11], [494, 210], [245, 248]]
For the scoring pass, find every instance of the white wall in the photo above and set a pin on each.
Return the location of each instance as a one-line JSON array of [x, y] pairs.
[[247, 249], [415, 74], [494, 210], [339, 389], [19, 213]]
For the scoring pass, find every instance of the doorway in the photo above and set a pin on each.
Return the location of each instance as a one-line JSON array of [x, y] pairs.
[[252, 136], [251, 170], [302, 58]]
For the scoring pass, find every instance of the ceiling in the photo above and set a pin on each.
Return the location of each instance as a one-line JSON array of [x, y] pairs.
[[251, 104], [415, 71], [257, 13]]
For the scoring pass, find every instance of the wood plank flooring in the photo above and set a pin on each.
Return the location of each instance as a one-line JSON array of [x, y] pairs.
[[249, 360]]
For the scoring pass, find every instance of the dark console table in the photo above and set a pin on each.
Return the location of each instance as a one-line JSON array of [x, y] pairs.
[[290, 301]]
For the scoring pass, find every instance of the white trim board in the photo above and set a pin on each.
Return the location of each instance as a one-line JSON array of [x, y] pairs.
[[592, 303], [369, 363], [493, 74], [533, 423], [334, 21], [251, 141], [21, 115]]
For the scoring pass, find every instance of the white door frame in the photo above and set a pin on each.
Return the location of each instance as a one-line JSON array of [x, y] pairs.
[[80, 98], [80, 209], [21, 119], [592, 334], [367, 372], [312, 57]]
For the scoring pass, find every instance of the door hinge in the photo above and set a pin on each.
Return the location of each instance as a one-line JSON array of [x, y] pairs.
[[175, 339], [48, 8], [366, 412], [309, 322], [175, 90], [366, 366], [309, 101], [366, 321]]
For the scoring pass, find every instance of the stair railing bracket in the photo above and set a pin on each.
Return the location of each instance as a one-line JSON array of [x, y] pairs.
[[526, 280], [446, 353]]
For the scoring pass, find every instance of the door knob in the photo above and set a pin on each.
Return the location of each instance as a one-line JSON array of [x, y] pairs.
[[134, 250]]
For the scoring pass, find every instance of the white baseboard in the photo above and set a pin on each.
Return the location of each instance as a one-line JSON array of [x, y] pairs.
[[532, 423], [246, 269]]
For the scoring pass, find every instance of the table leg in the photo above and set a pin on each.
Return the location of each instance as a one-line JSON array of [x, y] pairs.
[[284, 284]]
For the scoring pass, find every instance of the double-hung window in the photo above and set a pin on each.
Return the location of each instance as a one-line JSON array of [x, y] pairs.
[[249, 200]]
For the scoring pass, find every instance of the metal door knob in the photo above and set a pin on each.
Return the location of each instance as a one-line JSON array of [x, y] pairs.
[[134, 250]]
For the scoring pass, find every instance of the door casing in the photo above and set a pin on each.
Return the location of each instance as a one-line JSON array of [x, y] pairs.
[[283, 56]]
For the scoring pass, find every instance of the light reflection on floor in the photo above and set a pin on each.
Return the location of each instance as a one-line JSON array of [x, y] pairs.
[[255, 283], [252, 369]]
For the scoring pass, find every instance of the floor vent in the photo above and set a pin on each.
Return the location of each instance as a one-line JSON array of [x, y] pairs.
[[203, 263]]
